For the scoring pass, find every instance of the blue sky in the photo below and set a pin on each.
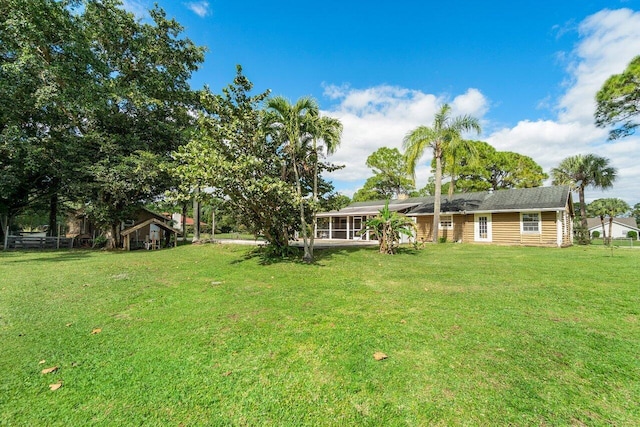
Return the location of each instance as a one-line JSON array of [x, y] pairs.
[[528, 70]]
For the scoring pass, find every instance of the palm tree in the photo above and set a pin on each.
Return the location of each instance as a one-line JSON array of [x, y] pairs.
[[451, 161], [582, 171], [598, 209], [443, 137], [292, 124], [387, 226], [614, 207], [328, 130]]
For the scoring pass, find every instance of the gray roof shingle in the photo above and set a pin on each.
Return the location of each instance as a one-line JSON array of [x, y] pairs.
[[517, 199]]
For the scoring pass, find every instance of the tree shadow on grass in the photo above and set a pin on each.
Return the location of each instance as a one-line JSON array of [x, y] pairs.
[[320, 254], [51, 255], [265, 258]]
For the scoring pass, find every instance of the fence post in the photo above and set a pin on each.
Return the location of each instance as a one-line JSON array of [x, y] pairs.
[[58, 239], [6, 238]]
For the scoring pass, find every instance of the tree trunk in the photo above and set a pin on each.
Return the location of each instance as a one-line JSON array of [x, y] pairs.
[[196, 216], [610, 240], [53, 214], [314, 222], [604, 233], [583, 214], [308, 256], [113, 236], [438, 192], [183, 219], [4, 223], [213, 223]]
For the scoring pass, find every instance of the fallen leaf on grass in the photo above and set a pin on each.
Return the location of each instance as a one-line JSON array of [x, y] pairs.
[[42, 362], [49, 370], [403, 321], [379, 355], [226, 374], [54, 387], [68, 324], [96, 331]]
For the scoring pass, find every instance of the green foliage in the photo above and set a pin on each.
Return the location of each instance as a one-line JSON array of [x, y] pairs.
[[232, 155], [488, 168], [618, 101], [246, 155], [579, 172], [636, 213], [390, 179], [387, 227], [93, 103], [632, 234], [335, 202], [595, 234]]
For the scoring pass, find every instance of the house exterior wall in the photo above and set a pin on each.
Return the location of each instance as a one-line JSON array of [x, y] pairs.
[[506, 229], [617, 231]]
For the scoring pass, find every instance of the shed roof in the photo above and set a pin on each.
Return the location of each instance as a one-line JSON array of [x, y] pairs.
[[143, 224]]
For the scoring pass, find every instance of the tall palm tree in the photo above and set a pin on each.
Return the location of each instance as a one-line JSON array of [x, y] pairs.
[[292, 123], [328, 130], [582, 171], [443, 137]]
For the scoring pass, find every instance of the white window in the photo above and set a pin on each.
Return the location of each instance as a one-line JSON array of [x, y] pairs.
[[530, 222], [446, 222]]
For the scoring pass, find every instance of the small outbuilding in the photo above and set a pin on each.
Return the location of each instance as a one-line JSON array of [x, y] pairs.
[[154, 239]]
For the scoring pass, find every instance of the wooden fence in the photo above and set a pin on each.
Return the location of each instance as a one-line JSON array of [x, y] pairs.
[[32, 242]]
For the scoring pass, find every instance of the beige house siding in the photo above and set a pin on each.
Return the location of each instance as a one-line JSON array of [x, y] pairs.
[[424, 227], [505, 229]]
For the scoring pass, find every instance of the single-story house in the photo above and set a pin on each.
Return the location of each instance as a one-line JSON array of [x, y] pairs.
[[540, 216], [620, 228]]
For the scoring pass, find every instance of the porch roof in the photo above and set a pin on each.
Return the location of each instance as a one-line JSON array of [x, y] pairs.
[[372, 208]]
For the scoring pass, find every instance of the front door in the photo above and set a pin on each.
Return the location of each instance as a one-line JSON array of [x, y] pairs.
[[482, 227]]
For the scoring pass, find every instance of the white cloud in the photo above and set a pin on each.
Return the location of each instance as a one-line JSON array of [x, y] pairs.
[[609, 40], [382, 115], [139, 8], [200, 8]]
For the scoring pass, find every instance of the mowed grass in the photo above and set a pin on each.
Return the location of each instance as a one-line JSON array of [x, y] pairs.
[[208, 335]]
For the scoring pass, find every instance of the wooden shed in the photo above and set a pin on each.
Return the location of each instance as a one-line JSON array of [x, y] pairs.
[[152, 240]]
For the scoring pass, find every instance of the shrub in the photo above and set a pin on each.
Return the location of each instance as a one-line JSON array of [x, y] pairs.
[[595, 234], [632, 234]]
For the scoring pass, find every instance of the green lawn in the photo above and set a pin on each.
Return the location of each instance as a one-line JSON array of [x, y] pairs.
[[207, 334]]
